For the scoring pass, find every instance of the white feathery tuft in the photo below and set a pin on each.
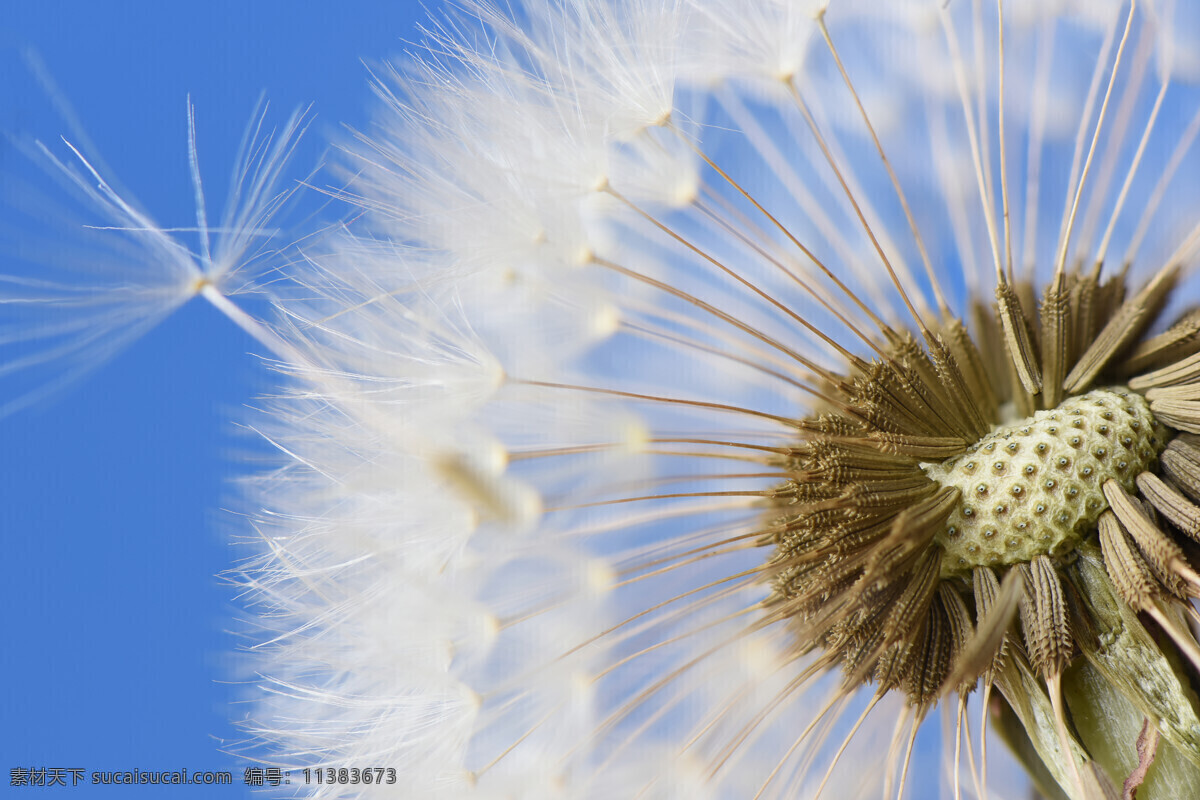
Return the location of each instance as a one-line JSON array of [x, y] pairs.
[[112, 273]]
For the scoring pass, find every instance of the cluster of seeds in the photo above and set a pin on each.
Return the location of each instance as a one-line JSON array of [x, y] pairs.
[[924, 544]]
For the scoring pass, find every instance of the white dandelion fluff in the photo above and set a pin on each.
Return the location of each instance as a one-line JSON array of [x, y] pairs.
[[126, 273], [755, 399]]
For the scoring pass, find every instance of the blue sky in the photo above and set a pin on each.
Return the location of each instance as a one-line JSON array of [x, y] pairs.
[[118, 630]]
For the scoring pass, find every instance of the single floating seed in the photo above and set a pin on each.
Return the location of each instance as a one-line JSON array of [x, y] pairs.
[[1078, 452]]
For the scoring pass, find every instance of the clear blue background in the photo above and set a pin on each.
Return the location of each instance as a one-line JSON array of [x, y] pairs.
[[117, 630]]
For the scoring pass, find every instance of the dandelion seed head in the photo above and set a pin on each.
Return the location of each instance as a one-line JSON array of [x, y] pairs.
[[646, 431]]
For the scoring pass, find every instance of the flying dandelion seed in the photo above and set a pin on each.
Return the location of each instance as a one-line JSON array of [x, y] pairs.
[[756, 399]]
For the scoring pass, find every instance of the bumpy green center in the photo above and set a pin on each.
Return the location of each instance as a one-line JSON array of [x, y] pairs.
[[1034, 487]]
